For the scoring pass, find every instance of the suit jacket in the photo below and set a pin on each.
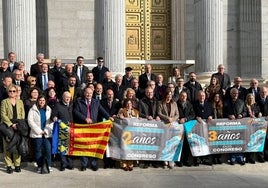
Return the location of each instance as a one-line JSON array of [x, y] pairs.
[[139, 93], [35, 69], [80, 111], [177, 93], [162, 111], [193, 89], [99, 73], [39, 80], [144, 105], [7, 111], [235, 108], [203, 111], [257, 96], [85, 70], [224, 81], [160, 91], [119, 91], [127, 82], [187, 112], [116, 105], [143, 80], [242, 93], [63, 112], [57, 73], [263, 104], [22, 84]]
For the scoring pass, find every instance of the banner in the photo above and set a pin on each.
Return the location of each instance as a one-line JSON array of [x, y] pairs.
[[82, 139], [226, 136], [141, 139]]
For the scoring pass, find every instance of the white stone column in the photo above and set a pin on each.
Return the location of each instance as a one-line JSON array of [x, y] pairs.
[[250, 38], [264, 40], [114, 35], [178, 9], [208, 35], [19, 22]]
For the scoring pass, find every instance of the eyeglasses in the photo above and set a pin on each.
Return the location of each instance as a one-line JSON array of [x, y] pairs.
[[101, 61], [33, 80], [12, 91]]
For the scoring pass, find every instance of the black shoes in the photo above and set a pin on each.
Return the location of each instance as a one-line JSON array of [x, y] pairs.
[[242, 163], [83, 168], [94, 167], [217, 161], [9, 170], [251, 161], [17, 169]]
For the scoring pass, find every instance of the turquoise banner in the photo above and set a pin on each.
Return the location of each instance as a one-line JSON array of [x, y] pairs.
[[141, 139], [226, 136]]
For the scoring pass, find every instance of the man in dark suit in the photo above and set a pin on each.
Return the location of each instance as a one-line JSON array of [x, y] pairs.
[[87, 110], [111, 106], [181, 88], [99, 70], [263, 104], [160, 87], [146, 76], [17, 80], [119, 88], [37, 67], [148, 109], [235, 109], [108, 82], [139, 92], [193, 86], [57, 71], [64, 111], [65, 76], [223, 78], [186, 113], [43, 77], [98, 92], [128, 77], [12, 65], [80, 69], [4, 70], [242, 91], [203, 110], [254, 89]]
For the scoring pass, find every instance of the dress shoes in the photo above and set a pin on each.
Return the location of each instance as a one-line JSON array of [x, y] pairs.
[[187, 163], [17, 169], [179, 164], [261, 160], [62, 168], [70, 167], [83, 168], [94, 164], [9, 170], [251, 161], [241, 163], [231, 162]]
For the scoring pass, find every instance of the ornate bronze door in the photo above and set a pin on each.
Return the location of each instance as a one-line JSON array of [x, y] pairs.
[[148, 30]]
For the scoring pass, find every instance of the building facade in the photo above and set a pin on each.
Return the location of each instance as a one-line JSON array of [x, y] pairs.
[[131, 32]]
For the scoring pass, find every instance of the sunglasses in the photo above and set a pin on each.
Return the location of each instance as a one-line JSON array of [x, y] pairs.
[[12, 91]]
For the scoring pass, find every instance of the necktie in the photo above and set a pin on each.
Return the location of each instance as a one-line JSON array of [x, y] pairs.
[[110, 104], [80, 73], [18, 83], [88, 109], [45, 82]]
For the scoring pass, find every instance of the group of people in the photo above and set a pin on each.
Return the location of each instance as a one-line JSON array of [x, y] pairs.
[[76, 94]]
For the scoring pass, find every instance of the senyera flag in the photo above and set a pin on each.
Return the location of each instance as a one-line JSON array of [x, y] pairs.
[[81, 139]]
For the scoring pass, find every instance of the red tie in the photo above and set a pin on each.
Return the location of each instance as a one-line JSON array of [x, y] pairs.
[[88, 109]]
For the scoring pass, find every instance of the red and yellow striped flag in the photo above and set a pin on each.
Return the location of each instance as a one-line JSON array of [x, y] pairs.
[[84, 139]]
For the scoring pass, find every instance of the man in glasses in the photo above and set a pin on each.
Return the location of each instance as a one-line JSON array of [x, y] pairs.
[[99, 70], [241, 90], [254, 89]]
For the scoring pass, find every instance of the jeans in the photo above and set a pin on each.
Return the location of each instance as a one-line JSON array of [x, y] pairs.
[[42, 150]]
